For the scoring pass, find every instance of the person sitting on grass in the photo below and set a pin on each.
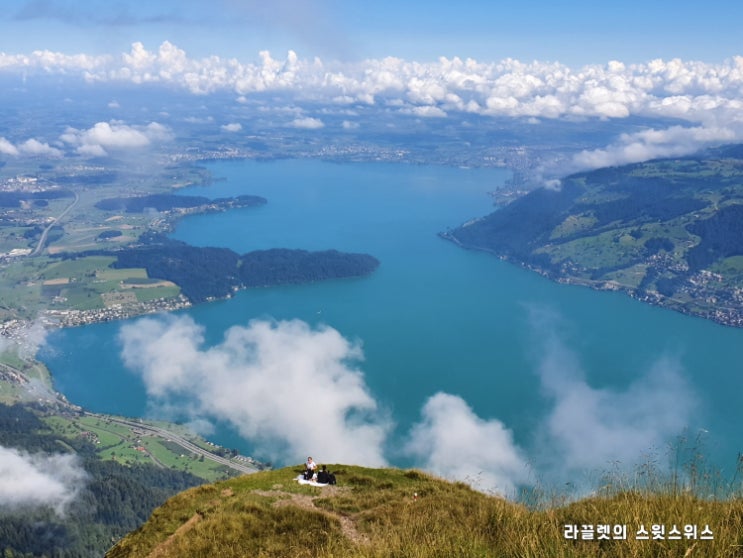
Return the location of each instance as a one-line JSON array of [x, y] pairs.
[[323, 476], [309, 469]]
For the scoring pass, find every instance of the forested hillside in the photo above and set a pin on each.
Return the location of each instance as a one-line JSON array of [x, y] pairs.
[[112, 498], [666, 231]]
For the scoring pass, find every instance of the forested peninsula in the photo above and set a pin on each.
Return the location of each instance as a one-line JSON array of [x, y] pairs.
[[668, 232], [209, 273]]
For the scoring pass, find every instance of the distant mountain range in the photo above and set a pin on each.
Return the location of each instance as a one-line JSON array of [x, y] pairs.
[[668, 232]]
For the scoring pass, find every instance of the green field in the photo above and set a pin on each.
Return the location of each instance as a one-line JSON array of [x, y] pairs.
[[80, 283], [119, 443], [111, 274], [145, 295]]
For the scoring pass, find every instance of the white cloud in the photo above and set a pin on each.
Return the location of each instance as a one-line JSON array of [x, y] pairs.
[[426, 111], [688, 90], [590, 428], [707, 96], [454, 443], [307, 123], [232, 127], [199, 120], [26, 341], [30, 148], [7, 148], [104, 137], [38, 480], [649, 144], [34, 148], [114, 104], [33, 337], [349, 125], [291, 389]]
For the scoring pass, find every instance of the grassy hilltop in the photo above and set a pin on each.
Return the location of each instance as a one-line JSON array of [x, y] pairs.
[[374, 513]]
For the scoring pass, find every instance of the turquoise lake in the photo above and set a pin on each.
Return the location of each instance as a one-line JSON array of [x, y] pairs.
[[433, 317]]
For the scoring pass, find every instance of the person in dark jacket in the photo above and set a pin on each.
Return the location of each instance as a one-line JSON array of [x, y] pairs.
[[323, 476]]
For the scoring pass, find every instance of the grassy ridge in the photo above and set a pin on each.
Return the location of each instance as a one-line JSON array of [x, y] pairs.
[[375, 513]]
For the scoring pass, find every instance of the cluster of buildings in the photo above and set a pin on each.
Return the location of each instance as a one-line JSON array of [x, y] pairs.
[[72, 318]]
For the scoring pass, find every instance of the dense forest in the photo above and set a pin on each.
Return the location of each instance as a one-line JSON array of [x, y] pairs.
[[201, 273], [721, 237], [114, 499], [280, 266], [205, 273]]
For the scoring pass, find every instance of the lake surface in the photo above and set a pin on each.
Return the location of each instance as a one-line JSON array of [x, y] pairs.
[[433, 317]]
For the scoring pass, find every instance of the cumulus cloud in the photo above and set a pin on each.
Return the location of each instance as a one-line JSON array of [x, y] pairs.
[[231, 127], [290, 389], [105, 137], [709, 97], [7, 148], [35, 148], [453, 442], [674, 88], [30, 148], [38, 480], [307, 123], [426, 111]]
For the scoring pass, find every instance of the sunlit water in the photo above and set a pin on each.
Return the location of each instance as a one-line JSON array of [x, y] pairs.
[[433, 317]]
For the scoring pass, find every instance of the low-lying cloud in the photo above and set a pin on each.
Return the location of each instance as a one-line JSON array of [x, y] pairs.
[[290, 389], [653, 144], [592, 427], [453, 442], [293, 390], [588, 428], [39, 480]]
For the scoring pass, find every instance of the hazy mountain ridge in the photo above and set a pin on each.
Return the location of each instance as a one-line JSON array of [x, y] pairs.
[[665, 231]]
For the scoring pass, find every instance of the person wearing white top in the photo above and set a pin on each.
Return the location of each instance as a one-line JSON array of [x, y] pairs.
[[309, 469]]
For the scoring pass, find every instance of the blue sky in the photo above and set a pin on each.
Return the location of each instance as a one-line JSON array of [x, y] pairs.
[[574, 32]]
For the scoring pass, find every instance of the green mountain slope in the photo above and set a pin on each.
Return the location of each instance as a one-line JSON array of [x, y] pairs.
[[668, 232], [112, 497], [396, 513]]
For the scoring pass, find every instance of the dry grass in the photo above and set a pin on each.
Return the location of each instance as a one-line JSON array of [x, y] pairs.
[[372, 514]]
